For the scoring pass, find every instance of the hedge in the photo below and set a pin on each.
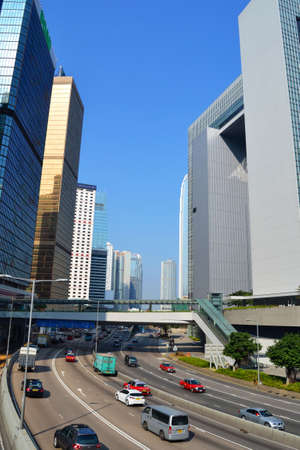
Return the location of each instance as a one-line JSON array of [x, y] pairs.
[[198, 362]]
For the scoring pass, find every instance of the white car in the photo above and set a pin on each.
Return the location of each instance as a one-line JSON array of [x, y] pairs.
[[130, 397]]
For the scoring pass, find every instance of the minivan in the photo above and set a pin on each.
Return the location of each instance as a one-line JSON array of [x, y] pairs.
[[167, 423]]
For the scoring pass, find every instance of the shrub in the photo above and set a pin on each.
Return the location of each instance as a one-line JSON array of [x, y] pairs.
[[198, 362]]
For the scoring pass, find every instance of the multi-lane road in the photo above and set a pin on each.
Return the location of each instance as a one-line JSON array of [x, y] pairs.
[[75, 394]]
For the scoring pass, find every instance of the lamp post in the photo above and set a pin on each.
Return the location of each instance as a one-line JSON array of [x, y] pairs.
[[9, 330], [257, 349], [97, 319], [34, 282]]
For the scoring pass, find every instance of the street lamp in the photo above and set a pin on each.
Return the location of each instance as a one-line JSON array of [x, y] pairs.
[[257, 349], [97, 319], [34, 282]]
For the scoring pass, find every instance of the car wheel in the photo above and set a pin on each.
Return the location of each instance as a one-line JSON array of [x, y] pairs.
[[162, 435], [145, 426], [243, 417], [127, 402], [266, 424], [117, 397], [55, 442]]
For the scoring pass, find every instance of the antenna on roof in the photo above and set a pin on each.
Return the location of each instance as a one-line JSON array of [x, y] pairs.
[[61, 72]]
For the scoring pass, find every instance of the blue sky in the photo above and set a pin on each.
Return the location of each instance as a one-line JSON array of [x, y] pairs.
[[145, 71]]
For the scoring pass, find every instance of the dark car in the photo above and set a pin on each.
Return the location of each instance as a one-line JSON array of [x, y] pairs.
[[34, 388], [130, 361], [76, 436]]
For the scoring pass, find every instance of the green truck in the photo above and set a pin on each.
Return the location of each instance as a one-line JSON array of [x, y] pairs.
[[105, 363]]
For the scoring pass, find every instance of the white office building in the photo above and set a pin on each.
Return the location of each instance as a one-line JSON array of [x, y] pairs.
[[183, 240], [244, 165], [168, 280], [80, 269]]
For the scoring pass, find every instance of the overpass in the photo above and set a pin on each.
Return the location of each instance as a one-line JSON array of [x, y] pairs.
[[74, 312]]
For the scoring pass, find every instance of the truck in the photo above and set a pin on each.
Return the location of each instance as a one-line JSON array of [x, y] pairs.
[[105, 363], [31, 358], [43, 340]]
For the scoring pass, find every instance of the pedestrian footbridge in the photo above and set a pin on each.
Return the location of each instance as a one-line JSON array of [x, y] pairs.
[[76, 314]]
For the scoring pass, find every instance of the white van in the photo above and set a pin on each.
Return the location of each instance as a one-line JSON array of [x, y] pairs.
[[167, 423]]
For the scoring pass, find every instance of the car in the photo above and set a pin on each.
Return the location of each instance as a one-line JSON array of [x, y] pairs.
[[130, 397], [130, 361], [139, 386], [134, 341], [262, 416], [192, 385], [116, 344], [68, 350], [129, 347], [168, 367], [69, 337], [76, 436], [70, 357], [34, 388]]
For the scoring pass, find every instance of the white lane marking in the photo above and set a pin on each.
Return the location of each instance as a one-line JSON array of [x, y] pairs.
[[63, 373], [284, 417], [91, 410], [61, 416], [82, 393], [220, 437]]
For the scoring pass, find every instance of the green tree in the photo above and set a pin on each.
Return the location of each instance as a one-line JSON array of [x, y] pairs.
[[286, 353], [240, 347]]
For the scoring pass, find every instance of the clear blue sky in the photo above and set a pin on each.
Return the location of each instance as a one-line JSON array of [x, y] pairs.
[[145, 71]]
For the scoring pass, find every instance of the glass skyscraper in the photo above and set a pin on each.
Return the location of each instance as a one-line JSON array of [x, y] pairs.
[[26, 74], [183, 240], [100, 222]]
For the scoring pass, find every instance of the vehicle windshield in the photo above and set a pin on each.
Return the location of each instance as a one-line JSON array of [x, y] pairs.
[[180, 420], [167, 364], [135, 395], [35, 384], [87, 439], [265, 413], [140, 384], [195, 382], [132, 358]]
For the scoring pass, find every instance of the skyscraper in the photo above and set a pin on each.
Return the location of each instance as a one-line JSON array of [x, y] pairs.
[[110, 282], [55, 217], [244, 164], [183, 240], [99, 252], [79, 283], [27, 67], [136, 277], [168, 280]]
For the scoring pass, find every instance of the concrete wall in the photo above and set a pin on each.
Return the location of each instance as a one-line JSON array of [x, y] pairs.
[[285, 316], [13, 437]]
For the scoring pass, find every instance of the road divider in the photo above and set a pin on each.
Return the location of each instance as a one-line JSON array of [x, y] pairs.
[[13, 437]]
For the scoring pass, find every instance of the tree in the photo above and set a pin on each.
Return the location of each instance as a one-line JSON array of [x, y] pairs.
[[240, 347], [286, 353]]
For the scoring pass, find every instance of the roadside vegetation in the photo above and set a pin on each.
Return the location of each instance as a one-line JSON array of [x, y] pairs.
[[198, 362]]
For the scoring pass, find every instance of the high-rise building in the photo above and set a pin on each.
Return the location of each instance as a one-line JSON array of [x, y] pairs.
[[27, 66], [55, 217], [99, 252], [100, 222], [168, 280], [79, 283], [123, 274], [98, 275], [183, 240], [136, 277], [110, 281], [244, 164]]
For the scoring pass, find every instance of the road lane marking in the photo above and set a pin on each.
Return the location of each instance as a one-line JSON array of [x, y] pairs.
[[63, 373], [82, 393], [91, 410], [220, 437]]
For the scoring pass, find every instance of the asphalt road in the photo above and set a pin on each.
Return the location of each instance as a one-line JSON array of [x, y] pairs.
[[74, 393]]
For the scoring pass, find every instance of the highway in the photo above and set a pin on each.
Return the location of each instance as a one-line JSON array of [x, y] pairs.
[[74, 393]]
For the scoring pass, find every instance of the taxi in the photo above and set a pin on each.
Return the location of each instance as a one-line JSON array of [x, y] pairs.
[[139, 386], [192, 385]]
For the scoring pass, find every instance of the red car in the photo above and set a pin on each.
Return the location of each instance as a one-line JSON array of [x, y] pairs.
[[70, 357], [192, 385], [167, 367], [139, 386]]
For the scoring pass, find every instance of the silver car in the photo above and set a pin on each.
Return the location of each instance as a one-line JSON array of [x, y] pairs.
[[263, 417]]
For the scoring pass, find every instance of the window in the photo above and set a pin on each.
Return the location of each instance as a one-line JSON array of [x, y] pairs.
[[298, 25], [180, 420], [158, 415]]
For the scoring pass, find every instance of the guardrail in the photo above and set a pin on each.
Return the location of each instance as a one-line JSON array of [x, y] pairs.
[[13, 437]]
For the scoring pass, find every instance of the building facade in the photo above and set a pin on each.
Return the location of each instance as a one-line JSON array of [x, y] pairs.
[[55, 217], [244, 165], [110, 280], [99, 252], [136, 277], [183, 240], [79, 280], [26, 67], [168, 280]]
